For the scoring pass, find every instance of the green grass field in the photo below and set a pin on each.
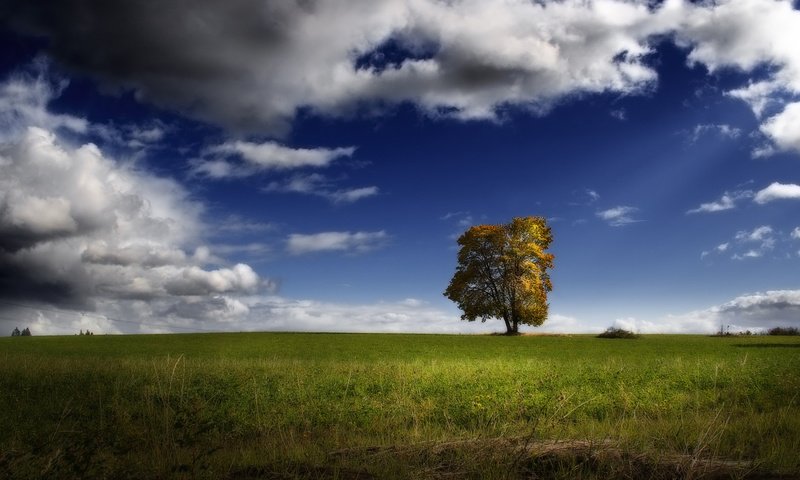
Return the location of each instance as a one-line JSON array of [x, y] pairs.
[[270, 405]]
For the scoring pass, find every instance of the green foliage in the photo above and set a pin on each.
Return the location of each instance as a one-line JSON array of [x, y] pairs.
[[502, 272], [613, 332], [392, 406]]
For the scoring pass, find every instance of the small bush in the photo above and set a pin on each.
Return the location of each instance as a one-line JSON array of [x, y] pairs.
[[617, 333], [783, 331]]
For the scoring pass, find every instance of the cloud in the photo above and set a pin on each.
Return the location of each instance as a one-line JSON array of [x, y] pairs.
[[762, 236], [253, 158], [96, 234], [726, 202], [94, 229], [784, 129], [237, 224], [462, 219], [584, 197], [727, 36], [321, 186], [748, 244], [759, 311], [282, 314], [408, 315], [254, 313], [24, 97], [254, 248], [775, 191], [747, 35], [693, 322], [796, 233], [721, 248], [618, 216], [251, 66], [754, 311], [242, 159], [759, 234], [130, 136], [778, 191], [722, 130], [353, 242], [354, 194], [196, 281]]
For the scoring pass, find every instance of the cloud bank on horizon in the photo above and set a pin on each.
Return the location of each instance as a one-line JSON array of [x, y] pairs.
[[82, 230]]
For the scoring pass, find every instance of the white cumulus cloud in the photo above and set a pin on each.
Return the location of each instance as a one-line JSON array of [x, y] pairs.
[[726, 202], [93, 228], [82, 230], [784, 128], [778, 191]]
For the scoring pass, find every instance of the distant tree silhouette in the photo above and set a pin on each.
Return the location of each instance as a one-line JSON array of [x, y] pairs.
[[26, 332], [15, 333]]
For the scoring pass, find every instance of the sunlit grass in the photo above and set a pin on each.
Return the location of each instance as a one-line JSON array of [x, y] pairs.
[[325, 405]]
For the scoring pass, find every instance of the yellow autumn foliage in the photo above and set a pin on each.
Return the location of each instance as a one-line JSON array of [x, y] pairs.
[[502, 272]]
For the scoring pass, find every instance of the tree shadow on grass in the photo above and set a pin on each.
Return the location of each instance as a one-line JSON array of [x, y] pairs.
[[767, 345]]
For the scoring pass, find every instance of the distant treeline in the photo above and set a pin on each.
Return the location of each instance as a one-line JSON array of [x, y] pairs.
[[24, 333], [783, 331], [786, 331]]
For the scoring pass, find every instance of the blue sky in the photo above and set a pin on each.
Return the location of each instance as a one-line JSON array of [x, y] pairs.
[[309, 166]]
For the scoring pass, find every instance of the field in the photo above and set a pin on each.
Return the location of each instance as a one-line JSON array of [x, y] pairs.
[[272, 405]]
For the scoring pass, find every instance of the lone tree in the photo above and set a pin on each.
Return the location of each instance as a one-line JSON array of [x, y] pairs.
[[502, 273]]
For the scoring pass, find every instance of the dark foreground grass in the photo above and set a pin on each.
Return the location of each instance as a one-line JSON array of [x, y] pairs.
[[242, 406]]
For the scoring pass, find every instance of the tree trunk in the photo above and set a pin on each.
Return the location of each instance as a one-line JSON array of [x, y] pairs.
[[512, 326], [508, 326]]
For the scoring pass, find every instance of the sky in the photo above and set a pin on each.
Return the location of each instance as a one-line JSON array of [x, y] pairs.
[[186, 166]]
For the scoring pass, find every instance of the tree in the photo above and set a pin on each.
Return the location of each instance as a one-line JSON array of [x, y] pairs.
[[26, 332], [15, 332], [502, 273]]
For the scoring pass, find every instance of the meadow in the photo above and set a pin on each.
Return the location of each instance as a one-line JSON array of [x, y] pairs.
[[291, 405]]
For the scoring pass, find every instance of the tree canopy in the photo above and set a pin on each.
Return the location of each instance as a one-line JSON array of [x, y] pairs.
[[502, 272]]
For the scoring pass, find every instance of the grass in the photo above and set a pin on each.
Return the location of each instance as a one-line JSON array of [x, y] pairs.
[[271, 405]]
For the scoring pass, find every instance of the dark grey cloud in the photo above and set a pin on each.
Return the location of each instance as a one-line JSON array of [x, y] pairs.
[[174, 54], [250, 65], [21, 281]]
